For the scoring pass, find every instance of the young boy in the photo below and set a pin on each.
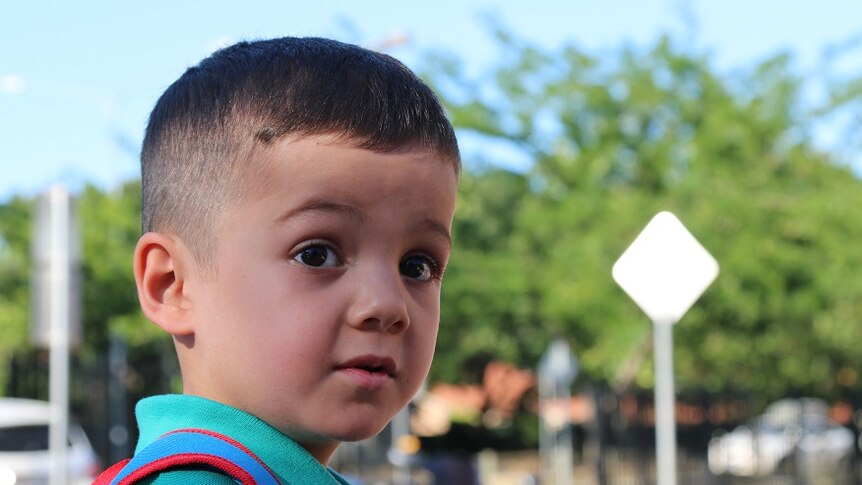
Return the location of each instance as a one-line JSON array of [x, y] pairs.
[[298, 196]]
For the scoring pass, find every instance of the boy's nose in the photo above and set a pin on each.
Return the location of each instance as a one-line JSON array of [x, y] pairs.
[[380, 303]]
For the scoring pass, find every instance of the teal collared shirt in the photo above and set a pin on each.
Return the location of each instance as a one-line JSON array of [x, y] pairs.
[[288, 460]]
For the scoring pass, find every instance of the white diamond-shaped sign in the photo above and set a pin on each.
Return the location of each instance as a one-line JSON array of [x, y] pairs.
[[665, 269]]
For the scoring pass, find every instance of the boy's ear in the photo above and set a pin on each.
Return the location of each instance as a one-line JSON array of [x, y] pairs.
[[161, 263]]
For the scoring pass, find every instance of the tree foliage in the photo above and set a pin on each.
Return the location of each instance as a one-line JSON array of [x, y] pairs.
[[613, 141], [14, 278], [109, 226]]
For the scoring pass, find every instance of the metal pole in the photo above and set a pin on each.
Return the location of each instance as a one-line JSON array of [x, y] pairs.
[[545, 438], [665, 426], [563, 457], [400, 426], [118, 433], [557, 371], [59, 276]]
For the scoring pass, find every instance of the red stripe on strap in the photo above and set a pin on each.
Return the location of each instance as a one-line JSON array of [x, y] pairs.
[[198, 459], [224, 438], [107, 476]]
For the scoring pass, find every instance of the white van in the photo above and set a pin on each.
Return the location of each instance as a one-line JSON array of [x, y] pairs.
[[24, 455]]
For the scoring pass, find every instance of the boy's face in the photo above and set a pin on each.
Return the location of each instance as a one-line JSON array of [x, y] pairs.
[[322, 316]]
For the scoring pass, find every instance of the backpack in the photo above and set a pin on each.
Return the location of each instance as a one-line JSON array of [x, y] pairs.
[[191, 447]]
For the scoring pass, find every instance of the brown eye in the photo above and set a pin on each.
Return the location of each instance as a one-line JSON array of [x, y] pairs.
[[317, 256], [420, 268]]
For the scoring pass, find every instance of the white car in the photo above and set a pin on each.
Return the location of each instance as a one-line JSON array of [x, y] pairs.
[[24, 455], [793, 436]]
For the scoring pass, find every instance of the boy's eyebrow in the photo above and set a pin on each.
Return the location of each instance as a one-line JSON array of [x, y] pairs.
[[435, 227], [320, 205]]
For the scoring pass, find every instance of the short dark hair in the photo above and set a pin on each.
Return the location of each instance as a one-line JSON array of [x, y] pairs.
[[204, 129]]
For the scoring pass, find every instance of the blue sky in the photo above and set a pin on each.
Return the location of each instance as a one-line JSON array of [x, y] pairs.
[[77, 79]]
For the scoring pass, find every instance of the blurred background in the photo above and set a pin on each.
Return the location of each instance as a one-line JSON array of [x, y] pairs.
[[578, 122]]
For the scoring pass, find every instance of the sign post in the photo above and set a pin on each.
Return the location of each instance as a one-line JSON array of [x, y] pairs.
[[664, 271]]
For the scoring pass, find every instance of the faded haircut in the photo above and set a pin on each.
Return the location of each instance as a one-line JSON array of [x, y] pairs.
[[197, 158]]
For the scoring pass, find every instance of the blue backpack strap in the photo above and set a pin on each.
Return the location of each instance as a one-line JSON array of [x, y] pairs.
[[196, 447]]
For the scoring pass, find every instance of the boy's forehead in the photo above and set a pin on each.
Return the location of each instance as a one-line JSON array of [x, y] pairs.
[[315, 165], [332, 147], [317, 180]]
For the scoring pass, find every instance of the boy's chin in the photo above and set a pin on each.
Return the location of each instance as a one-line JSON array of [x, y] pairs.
[[348, 433], [361, 433]]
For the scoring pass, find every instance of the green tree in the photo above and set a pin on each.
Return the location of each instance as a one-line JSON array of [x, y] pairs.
[[615, 140], [14, 279], [111, 226], [109, 223]]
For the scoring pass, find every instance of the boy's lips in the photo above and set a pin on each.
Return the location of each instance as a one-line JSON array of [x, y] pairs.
[[373, 364], [369, 372]]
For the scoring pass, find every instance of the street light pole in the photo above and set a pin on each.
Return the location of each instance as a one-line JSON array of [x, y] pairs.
[[55, 310], [59, 277]]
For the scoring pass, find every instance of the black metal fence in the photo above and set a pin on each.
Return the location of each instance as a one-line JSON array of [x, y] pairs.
[[727, 440], [103, 389], [722, 439]]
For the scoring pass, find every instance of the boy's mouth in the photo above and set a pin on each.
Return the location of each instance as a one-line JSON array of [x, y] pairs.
[[372, 364]]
